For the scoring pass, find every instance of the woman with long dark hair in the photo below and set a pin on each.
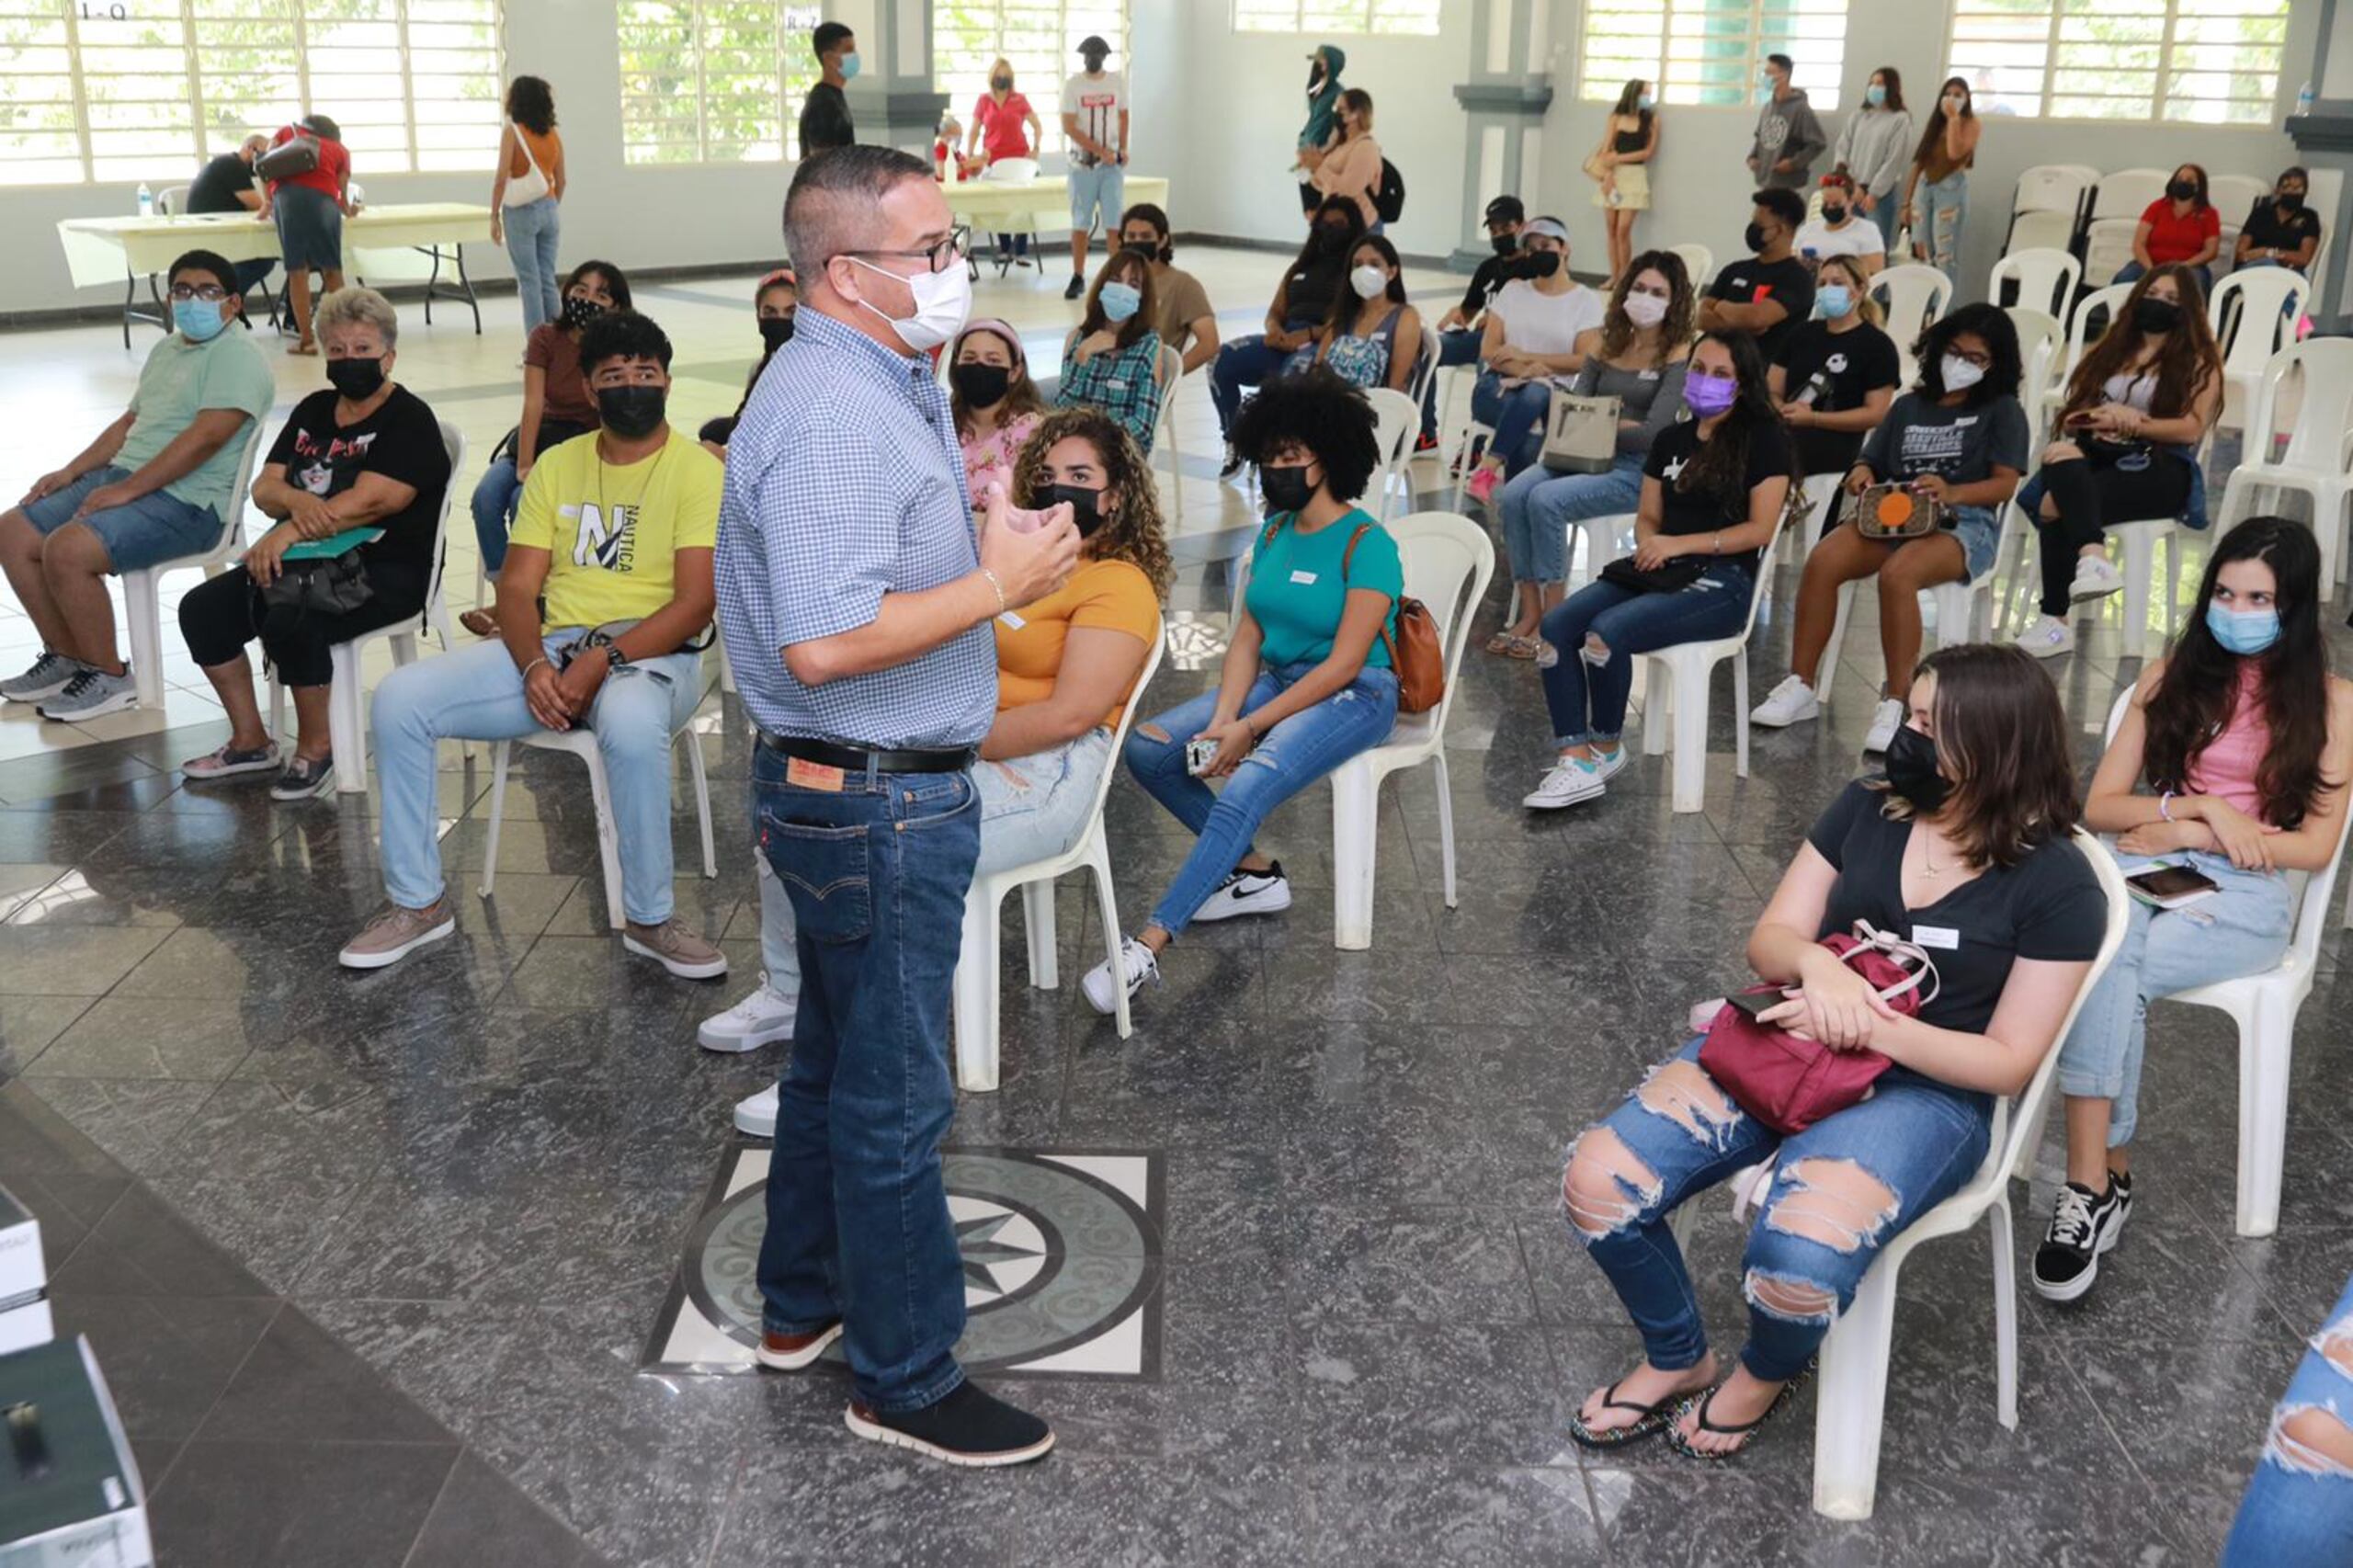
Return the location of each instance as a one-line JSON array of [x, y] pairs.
[[2231, 759], [1622, 188], [1968, 831], [1302, 300], [2181, 227], [2137, 408], [1713, 490], [1372, 338], [1936, 193], [524, 196], [1111, 360]]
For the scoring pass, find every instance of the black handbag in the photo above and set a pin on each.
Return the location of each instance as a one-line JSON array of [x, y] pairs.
[[288, 159], [336, 585], [1672, 578]]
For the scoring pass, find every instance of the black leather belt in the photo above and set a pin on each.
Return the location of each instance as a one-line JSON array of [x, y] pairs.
[[859, 759]]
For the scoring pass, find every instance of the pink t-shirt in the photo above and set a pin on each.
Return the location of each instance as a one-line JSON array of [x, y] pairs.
[[1005, 131], [2229, 765], [993, 455]]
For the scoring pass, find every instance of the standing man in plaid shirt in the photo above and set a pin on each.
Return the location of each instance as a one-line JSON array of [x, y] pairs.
[[855, 599]]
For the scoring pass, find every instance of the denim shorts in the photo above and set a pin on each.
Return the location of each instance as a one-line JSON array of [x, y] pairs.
[[1095, 197], [1979, 533], [154, 529]]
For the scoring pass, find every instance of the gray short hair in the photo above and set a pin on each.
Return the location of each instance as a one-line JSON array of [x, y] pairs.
[[834, 206], [356, 306]]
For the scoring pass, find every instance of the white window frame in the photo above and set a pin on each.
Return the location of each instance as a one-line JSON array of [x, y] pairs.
[[187, 112], [1823, 92], [1298, 26], [2162, 74]]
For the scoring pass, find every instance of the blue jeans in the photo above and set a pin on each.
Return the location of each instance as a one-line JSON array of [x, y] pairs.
[[532, 231], [494, 507], [1938, 212], [1514, 416], [156, 528], [1032, 807], [1885, 211], [1246, 362], [2133, 272], [1538, 507], [2240, 930], [1296, 753], [2299, 1502], [1587, 701], [857, 1222], [1453, 348], [1911, 1144], [476, 694]]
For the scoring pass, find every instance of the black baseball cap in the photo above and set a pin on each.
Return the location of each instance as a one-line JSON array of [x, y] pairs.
[[1092, 44], [1505, 210]]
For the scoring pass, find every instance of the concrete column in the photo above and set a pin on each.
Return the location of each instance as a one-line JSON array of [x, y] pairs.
[[894, 100], [1506, 99]]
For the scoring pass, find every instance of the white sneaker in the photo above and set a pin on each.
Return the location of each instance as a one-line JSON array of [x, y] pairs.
[[1790, 702], [2095, 578], [762, 1018], [1571, 779], [1136, 959], [1248, 893], [1885, 720], [2048, 637], [756, 1114]]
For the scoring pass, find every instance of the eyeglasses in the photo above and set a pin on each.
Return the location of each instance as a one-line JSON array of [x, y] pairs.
[[947, 253], [210, 293], [1983, 361]]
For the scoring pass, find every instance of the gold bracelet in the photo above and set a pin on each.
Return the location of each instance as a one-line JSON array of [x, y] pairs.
[[1001, 605]]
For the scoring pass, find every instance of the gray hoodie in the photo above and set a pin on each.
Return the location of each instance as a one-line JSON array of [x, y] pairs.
[[1787, 129]]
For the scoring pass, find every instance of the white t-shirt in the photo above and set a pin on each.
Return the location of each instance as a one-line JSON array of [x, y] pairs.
[[1859, 237], [1097, 101], [1547, 324]]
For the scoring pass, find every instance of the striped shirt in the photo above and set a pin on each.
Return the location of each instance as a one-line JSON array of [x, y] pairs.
[[845, 483]]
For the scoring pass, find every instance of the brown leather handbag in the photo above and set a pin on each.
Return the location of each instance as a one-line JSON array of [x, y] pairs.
[[1416, 653]]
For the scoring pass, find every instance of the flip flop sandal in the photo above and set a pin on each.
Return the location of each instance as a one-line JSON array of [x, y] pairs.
[[1649, 1420], [309, 350], [1501, 643], [481, 622], [1745, 1430], [1523, 648]]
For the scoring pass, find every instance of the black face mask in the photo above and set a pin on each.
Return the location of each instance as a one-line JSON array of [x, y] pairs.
[[1285, 489], [1094, 62], [357, 379], [1754, 235], [1834, 214], [980, 386], [632, 413], [578, 313], [1084, 505], [1330, 237], [1002, 84], [2179, 189], [1505, 244], [2156, 316], [775, 332], [1537, 264], [2291, 200], [1911, 771], [1148, 249]]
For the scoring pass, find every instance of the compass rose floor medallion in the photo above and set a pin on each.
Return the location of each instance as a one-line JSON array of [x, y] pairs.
[[1061, 1251]]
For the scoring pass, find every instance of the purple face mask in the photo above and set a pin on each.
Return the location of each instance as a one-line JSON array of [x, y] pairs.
[[1710, 395]]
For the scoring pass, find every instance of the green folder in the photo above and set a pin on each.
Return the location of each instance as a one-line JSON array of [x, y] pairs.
[[327, 548]]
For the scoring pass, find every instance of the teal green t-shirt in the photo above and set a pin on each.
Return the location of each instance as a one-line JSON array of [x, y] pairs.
[[1296, 594], [180, 380]]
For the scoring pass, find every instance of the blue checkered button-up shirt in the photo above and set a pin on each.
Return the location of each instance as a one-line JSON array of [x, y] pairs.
[[845, 483]]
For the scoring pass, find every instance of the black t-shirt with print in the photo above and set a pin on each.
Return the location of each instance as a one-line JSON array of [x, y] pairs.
[[1849, 365], [2266, 229], [1686, 512], [400, 440], [2049, 906], [1786, 283]]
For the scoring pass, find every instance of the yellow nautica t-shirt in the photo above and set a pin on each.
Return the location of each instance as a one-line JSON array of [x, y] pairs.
[[611, 530]]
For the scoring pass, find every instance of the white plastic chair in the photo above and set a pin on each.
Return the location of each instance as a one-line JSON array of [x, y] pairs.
[[2047, 280], [1679, 680], [1601, 537], [2265, 1007], [581, 742], [977, 963], [1458, 429], [2104, 302], [2254, 315], [2233, 196], [1397, 418], [1914, 295], [2045, 231], [143, 609], [2314, 465], [1851, 1389], [1699, 263], [2049, 204], [1172, 377], [170, 200], [347, 703], [2039, 336], [2117, 206], [1963, 611]]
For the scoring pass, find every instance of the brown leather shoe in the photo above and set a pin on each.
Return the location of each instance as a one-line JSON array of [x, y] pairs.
[[790, 1352]]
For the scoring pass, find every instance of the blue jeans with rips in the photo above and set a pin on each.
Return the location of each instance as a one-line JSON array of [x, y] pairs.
[[2299, 1504], [1587, 701]]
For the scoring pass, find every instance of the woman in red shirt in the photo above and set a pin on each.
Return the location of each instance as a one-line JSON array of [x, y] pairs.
[[1006, 127], [309, 209], [2179, 226]]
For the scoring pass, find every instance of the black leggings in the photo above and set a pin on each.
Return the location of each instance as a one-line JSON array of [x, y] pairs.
[[220, 617], [2088, 493]]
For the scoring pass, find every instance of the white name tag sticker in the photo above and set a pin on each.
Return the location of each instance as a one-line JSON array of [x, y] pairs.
[[1302, 577], [1937, 937], [1012, 621]]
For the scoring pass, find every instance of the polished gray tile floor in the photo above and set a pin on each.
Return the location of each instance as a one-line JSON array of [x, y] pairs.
[[474, 1173]]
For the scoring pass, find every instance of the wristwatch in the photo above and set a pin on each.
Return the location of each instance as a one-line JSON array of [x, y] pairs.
[[614, 658]]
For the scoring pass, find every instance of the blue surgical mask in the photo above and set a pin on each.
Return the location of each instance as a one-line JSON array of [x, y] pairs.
[[2242, 631], [1120, 301], [200, 321], [1834, 300], [1876, 96], [849, 66], [1645, 102]]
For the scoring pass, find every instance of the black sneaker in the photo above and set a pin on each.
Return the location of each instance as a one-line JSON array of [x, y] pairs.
[[968, 1427], [2083, 1226], [304, 777], [1232, 464], [1248, 893], [1077, 286]]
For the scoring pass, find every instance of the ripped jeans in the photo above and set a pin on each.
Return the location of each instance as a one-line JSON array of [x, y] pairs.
[[1840, 1191], [1295, 753], [1588, 699], [2299, 1504]]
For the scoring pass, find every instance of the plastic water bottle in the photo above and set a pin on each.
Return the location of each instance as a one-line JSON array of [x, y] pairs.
[[2304, 100], [147, 201]]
